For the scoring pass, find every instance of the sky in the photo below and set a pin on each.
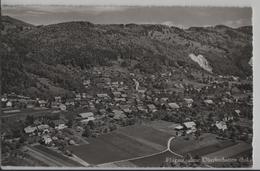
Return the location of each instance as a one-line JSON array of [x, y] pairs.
[[45, 13]]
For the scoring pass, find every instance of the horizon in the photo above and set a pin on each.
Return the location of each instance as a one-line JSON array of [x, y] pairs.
[[177, 16], [134, 23]]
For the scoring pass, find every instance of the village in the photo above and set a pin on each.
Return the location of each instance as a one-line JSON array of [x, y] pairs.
[[220, 105]]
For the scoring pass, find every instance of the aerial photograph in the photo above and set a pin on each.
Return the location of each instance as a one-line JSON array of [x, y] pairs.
[[125, 86]]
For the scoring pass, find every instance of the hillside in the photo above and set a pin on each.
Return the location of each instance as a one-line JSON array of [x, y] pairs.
[[48, 59]]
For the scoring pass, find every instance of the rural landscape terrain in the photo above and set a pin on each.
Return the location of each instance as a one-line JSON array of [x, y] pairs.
[[79, 94]]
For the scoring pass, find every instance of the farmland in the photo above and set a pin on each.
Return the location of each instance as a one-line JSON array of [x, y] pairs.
[[145, 145], [51, 157], [125, 143], [155, 160]]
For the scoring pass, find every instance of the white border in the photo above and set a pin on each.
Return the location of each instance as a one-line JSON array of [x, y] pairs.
[[255, 4]]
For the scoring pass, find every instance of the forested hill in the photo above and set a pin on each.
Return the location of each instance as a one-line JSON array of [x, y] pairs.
[[57, 53]]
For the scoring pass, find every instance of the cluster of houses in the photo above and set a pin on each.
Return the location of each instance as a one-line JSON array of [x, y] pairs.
[[119, 99]]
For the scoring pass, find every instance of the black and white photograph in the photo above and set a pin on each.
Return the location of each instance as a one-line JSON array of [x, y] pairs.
[[105, 85]]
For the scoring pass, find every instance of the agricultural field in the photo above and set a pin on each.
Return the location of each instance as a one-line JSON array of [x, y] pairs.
[[155, 160], [231, 151], [51, 157], [123, 144], [183, 145]]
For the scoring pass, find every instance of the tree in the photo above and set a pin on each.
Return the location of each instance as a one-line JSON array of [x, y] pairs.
[[29, 120], [70, 123], [91, 124], [52, 124], [87, 132]]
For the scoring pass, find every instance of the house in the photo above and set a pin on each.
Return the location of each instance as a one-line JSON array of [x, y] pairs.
[[179, 127], [115, 83], [86, 83], [85, 121], [141, 108], [126, 108], [9, 104], [86, 115], [119, 114], [124, 95], [4, 99], [57, 99], [151, 108], [84, 95], [173, 105], [63, 107], [102, 95], [142, 91], [189, 124], [188, 102], [238, 112], [226, 100], [119, 99], [55, 104], [29, 129], [61, 126], [228, 118], [70, 102], [116, 94], [164, 100], [46, 139], [72, 142], [208, 102], [43, 127], [102, 111], [221, 125], [190, 127], [42, 103]]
